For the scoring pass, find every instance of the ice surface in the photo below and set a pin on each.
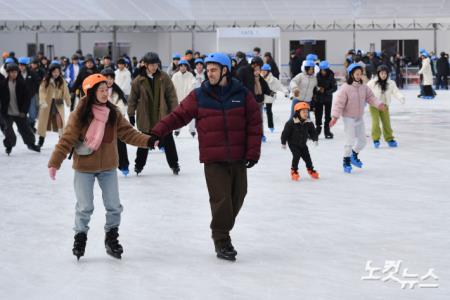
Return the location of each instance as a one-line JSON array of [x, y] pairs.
[[296, 240]]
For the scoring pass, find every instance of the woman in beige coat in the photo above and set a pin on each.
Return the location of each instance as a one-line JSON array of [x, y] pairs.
[[53, 92]]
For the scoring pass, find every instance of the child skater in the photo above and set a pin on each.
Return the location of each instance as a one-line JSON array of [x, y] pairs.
[[384, 89], [350, 103], [92, 131], [296, 133]]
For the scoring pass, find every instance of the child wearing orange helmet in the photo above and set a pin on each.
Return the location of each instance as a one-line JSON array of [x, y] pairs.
[[296, 133], [92, 132]]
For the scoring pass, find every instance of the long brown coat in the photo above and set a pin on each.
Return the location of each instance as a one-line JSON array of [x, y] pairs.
[[141, 97], [106, 157], [46, 95]]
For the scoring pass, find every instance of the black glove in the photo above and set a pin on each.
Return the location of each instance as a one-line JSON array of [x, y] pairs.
[[152, 141], [250, 163], [132, 120]]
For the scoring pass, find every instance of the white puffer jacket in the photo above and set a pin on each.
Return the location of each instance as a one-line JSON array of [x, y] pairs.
[[184, 84], [306, 84], [123, 80], [114, 99], [426, 72], [275, 86], [392, 91]]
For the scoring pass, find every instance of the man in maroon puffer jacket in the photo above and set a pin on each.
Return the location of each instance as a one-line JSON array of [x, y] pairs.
[[229, 130]]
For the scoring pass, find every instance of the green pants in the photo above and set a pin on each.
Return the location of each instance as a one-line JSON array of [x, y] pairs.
[[385, 118]]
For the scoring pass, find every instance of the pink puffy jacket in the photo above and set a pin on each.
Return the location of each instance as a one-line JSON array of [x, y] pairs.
[[350, 100]]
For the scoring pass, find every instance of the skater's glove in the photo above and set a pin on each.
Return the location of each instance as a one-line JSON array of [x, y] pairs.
[[250, 163], [283, 147], [52, 173], [153, 141], [132, 120]]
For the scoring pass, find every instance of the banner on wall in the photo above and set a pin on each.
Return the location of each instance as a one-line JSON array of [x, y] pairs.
[[248, 32]]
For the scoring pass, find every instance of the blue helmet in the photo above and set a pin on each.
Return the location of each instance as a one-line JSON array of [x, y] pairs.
[[9, 60], [353, 67], [266, 67], [324, 65], [312, 57], [183, 62], [425, 53], [55, 62], [219, 58], [310, 63], [421, 50], [199, 61], [24, 60], [176, 56]]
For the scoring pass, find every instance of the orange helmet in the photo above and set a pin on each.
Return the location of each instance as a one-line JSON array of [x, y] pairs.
[[92, 80], [5, 54], [300, 106]]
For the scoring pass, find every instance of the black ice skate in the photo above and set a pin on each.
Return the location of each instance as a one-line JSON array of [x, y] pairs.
[[112, 245], [79, 245]]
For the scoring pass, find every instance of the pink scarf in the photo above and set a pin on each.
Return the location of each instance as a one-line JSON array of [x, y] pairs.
[[96, 130]]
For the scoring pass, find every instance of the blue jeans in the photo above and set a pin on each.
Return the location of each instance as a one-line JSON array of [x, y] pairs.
[[34, 110], [84, 192]]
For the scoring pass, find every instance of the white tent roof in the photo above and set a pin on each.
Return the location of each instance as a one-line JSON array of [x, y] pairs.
[[275, 11]]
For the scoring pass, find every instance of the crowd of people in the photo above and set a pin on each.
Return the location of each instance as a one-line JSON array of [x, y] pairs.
[[220, 97]]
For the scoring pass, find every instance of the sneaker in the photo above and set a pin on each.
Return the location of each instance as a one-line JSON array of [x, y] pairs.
[[376, 144]]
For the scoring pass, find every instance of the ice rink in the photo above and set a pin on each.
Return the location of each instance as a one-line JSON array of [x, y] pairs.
[[296, 240]]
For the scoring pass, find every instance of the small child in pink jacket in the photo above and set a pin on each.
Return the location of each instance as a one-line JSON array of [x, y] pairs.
[[350, 103]]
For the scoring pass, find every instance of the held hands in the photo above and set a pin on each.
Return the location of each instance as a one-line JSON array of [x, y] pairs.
[[333, 122], [153, 142], [52, 173], [296, 92]]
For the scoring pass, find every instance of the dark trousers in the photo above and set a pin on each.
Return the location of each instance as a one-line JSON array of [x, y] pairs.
[[441, 81], [169, 148], [24, 130], [300, 152], [123, 155], [319, 108], [227, 188], [399, 80], [269, 115], [428, 90]]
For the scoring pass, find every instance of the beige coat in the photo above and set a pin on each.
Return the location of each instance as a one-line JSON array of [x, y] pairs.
[[45, 103]]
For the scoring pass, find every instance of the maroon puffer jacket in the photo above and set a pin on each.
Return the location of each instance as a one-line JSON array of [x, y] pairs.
[[228, 119]]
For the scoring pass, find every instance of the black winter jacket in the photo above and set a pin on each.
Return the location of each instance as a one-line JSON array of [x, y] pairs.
[[246, 76], [22, 93], [328, 82], [296, 132]]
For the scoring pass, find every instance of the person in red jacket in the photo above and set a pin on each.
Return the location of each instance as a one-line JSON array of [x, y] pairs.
[[229, 127]]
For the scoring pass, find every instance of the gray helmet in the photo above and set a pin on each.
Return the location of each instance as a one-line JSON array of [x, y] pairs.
[[12, 67], [383, 68], [151, 58]]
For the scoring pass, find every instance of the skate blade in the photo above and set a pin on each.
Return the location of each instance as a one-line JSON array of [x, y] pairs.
[[115, 255], [228, 258]]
